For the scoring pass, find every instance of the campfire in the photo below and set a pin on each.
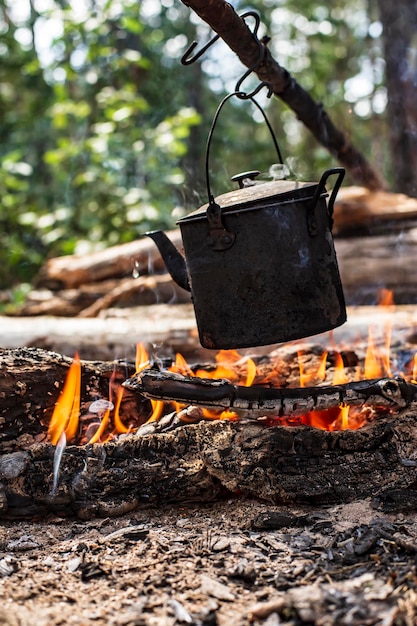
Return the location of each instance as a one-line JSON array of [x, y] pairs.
[[334, 382], [302, 424]]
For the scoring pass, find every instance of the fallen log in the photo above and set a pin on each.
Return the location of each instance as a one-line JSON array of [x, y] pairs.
[[387, 393], [208, 460], [90, 299], [107, 337], [358, 208], [140, 257], [369, 264]]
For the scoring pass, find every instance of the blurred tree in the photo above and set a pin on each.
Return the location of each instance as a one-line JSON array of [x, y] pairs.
[[95, 126], [399, 21]]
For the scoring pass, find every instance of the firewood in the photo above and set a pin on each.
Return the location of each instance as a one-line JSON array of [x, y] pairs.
[[139, 290], [388, 393], [367, 264], [114, 334], [358, 207], [199, 462], [141, 257]]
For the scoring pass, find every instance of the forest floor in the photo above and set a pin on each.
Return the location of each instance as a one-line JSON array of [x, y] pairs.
[[229, 563]]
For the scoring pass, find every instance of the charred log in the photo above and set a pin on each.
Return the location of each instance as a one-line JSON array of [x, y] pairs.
[[203, 461], [31, 381], [387, 393]]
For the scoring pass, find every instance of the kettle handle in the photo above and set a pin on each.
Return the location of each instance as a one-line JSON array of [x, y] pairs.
[[312, 219], [238, 94]]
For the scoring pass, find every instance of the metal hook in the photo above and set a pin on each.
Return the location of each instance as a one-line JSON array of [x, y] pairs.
[[186, 60], [241, 94]]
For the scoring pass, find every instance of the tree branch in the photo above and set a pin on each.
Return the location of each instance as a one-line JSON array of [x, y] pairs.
[[389, 393], [223, 19]]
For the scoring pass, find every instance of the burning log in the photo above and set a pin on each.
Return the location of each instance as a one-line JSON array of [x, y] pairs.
[[199, 462], [31, 381], [387, 393]]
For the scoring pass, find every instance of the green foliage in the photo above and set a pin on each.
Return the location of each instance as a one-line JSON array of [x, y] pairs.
[[103, 131], [92, 140]]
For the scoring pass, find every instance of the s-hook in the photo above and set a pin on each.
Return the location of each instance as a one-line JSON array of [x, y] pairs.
[[187, 59]]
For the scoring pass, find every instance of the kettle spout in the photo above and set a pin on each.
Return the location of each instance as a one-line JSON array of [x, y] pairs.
[[173, 259]]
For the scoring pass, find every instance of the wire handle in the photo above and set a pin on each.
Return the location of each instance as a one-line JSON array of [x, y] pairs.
[[213, 125]]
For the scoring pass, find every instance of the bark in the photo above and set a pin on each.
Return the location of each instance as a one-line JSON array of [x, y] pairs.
[[399, 20], [204, 461], [221, 17]]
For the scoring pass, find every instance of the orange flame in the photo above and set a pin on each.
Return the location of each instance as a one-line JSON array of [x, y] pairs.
[[317, 374], [142, 362], [119, 427], [339, 377], [67, 409]]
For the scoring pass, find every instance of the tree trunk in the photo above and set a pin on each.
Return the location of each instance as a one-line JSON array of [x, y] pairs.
[[399, 20], [221, 17]]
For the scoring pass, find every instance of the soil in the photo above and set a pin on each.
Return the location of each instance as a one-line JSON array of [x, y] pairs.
[[230, 563]]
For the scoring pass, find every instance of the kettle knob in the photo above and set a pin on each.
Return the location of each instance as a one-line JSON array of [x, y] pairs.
[[246, 179]]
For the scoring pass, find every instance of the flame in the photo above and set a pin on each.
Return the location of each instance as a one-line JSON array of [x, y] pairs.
[[339, 377], [141, 363], [66, 412], [119, 427], [372, 365], [239, 370], [142, 358], [251, 373], [386, 298], [317, 374]]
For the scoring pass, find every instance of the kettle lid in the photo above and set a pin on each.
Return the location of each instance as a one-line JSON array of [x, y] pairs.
[[258, 196]]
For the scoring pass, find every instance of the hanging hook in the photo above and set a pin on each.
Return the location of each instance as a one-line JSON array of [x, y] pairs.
[[187, 60], [241, 94]]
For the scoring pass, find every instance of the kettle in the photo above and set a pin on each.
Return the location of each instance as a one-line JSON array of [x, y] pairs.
[[260, 260]]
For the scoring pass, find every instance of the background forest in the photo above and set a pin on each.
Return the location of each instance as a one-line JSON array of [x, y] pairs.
[[103, 131]]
